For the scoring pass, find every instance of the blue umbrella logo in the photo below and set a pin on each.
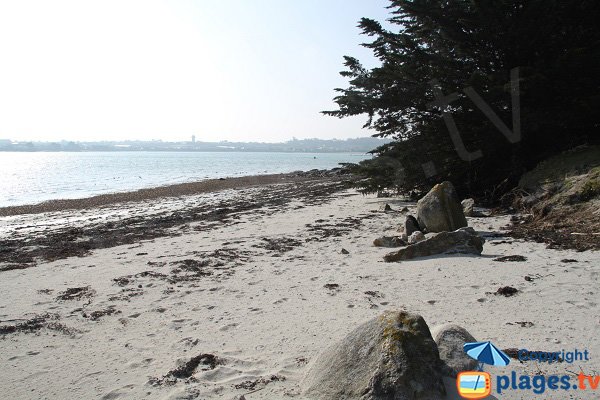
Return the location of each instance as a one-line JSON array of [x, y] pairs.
[[486, 353]]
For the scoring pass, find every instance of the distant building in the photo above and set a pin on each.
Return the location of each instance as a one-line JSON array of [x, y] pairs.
[[193, 138]]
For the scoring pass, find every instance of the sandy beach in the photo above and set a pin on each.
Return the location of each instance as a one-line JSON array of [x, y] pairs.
[[249, 280]]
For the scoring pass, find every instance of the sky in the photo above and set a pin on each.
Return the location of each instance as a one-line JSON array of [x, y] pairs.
[[238, 70]]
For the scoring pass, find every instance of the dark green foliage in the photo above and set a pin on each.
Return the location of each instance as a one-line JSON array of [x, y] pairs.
[[460, 44]]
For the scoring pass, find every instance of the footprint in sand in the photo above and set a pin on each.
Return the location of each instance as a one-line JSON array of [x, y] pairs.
[[140, 364], [582, 304], [228, 327], [116, 393]]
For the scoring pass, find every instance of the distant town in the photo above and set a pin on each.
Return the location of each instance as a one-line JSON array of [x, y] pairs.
[[357, 145]]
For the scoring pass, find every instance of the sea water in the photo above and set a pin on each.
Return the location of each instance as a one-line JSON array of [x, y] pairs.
[[33, 177]]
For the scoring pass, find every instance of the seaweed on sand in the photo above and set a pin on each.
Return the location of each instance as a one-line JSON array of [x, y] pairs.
[[515, 258], [507, 291], [35, 324], [96, 315], [76, 293], [261, 382], [204, 361], [279, 245]]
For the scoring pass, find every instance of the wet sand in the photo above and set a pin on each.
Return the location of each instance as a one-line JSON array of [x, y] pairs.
[[181, 189]]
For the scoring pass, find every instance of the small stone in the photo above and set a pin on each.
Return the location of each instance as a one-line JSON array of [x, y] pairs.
[[416, 237], [468, 207], [389, 241], [344, 251], [411, 225]]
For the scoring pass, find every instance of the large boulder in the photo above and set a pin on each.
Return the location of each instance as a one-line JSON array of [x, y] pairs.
[[450, 339], [463, 240], [440, 210], [390, 357]]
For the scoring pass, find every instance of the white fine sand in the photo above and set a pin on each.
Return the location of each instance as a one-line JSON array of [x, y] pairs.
[[271, 315]]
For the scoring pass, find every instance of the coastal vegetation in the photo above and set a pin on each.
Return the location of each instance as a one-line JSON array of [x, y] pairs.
[[475, 92], [560, 199]]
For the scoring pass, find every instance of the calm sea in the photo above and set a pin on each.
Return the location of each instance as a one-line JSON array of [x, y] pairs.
[[28, 178]]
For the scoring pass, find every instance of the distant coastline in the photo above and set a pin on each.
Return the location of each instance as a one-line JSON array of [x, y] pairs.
[[357, 145]]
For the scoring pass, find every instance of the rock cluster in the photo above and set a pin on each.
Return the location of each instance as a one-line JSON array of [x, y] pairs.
[[442, 216], [463, 240]]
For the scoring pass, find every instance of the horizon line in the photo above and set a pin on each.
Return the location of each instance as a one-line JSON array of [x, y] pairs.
[[191, 140]]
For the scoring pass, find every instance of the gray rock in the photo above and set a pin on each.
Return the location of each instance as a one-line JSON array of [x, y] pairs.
[[386, 207], [390, 357], [450, 340], [440, 210], [416, 237], [411, 225], [468, 207], [389, 241], [463, 240]]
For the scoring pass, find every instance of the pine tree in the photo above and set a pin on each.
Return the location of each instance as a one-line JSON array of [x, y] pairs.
[[453, 45]]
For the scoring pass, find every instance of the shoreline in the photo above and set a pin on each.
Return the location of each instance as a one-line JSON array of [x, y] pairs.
[[124, 219], [165, 191], [104, 303]]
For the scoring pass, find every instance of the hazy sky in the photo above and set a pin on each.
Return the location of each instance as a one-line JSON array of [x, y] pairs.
[[219, 69]]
